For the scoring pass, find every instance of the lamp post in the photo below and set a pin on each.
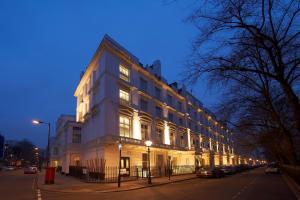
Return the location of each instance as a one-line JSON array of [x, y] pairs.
[[120, 153], [36, 122], [148, 143]]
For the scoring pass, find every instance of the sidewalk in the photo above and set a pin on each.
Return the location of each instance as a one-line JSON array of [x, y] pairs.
[[69, 184], [294, 187]]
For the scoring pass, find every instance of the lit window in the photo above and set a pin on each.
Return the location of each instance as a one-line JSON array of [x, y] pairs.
[[124, 126], [124, 73], [144, 131], [124, 96]]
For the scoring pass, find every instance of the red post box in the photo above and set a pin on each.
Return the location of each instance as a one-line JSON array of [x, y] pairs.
[[50, 174]]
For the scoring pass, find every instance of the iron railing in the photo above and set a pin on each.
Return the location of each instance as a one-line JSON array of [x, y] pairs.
[[110, 174]]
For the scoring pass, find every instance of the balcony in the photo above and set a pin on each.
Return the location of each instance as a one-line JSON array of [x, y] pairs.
[[126, 140], [124, 102]]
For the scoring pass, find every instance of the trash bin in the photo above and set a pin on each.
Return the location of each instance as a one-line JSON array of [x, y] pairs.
[[50, 174]]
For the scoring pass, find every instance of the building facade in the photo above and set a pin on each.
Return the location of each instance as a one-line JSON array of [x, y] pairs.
[[121, 101]]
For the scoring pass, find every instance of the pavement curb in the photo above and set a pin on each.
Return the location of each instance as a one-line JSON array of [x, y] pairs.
[[116, 190], [294, 187]]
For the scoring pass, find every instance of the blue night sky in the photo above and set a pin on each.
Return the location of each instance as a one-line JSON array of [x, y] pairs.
[[44, 45]]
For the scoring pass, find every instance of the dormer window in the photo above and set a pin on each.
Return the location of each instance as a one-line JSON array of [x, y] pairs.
[[124, 73]]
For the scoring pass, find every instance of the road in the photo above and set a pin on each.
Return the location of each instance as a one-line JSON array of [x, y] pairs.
[[248, 185], [14, 185]]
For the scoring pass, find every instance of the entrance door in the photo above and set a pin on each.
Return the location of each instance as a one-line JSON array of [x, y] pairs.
[[160, 164], [125, 166]]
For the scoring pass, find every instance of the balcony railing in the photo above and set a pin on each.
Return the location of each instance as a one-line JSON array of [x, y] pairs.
[[127, 140], [124, 102]]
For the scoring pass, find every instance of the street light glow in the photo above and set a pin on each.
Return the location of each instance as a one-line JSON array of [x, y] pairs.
[[148, 143], [36, 122]]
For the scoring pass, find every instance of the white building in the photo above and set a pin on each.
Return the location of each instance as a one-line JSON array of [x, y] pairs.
[[120, 100]]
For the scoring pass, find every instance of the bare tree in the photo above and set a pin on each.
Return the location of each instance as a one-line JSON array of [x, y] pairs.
[[253, 46]]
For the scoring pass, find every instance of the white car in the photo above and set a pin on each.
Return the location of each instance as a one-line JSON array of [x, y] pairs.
[[272, 168], [30, 170], [8, 168]]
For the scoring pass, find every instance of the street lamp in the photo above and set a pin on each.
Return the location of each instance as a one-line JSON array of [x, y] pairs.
[[37, 122], [148, 143], [120, 152]]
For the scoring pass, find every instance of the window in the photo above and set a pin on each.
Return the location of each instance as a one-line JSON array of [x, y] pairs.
[[124, 96], [182, 140], [55, 151], [144, 105], [124, 126], [172, 138], [189, 109], [157, 93], [143, 84], [169, 99], [144, 160], [159, 135], [144, 131], [158, 111], [171, 117], [180, 121], [76, 136], [197, 144], [124, 73], [179, 106]]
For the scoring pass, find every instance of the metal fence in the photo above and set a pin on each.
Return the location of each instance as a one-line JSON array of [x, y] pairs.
[[110, 174]]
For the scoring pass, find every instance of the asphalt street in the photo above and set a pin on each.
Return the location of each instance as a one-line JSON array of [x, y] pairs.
[[15, 185], [248, 185]]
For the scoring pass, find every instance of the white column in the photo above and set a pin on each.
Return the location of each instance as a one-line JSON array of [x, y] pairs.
[[200, 141], [189, 138], [136, 126], [167, 133]]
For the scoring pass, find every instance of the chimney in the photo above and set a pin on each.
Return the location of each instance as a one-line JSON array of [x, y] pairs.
[[156, 68]]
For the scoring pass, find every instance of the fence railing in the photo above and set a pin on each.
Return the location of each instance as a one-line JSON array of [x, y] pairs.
[[110, 174]]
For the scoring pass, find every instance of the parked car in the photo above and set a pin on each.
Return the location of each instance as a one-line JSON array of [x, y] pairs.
[[272, 168], [8, 168], [30, 170], [228, 170], [210, 173]]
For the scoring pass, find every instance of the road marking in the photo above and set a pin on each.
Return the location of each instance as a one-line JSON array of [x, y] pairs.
[[245, 187], [39, 195]]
